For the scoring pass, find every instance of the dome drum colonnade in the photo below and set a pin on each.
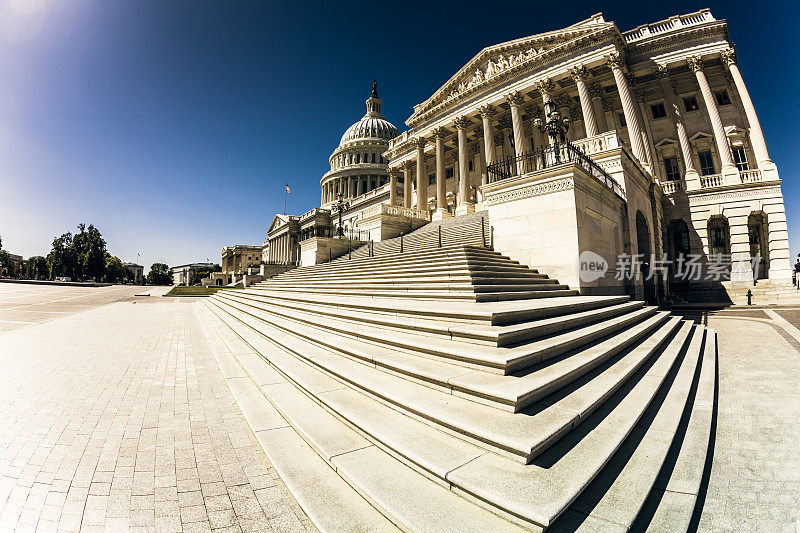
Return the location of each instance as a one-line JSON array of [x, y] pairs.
[[358, 165]]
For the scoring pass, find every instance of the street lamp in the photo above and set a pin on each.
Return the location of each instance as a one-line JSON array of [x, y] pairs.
[[339, 207], [556, 126]]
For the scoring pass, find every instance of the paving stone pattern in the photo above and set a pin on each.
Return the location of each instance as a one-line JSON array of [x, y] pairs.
[[118, 418]]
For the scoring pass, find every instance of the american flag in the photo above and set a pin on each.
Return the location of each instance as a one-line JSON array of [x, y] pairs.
[[288, 190]]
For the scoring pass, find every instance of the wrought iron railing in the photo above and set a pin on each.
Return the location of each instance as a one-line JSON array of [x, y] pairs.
[[543, 158], [334, 232]]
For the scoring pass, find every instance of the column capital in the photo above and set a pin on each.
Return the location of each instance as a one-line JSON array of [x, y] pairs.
[[596, 90], [579, 73], [515, 99], [407, 165], [486, 111], [420, 142], [394, 171], [441, 132], [545, 86], [728, 57], [695, 63], [462, 122], [615, 60], [661, 71]]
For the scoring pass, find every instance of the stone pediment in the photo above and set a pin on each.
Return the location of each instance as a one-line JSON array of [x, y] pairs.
[[495, 61], [277, 222]]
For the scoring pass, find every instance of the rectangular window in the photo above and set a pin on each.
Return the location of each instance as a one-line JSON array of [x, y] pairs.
[[690, 103], [706, 162], [431, 179], [470, 165], [621, 118], [448, 173], [658, 110], [740, 156], [722, 97], [671, 168]]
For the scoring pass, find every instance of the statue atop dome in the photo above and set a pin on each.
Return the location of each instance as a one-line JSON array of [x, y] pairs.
[[374, 88]]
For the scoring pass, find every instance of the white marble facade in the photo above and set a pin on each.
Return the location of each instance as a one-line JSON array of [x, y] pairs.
[[662, 110]]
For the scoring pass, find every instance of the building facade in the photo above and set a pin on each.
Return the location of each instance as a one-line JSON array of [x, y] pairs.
[[182, 274], [659, 155]]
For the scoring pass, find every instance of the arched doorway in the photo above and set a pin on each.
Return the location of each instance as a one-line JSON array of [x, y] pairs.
[[759, 250], [719, 246], [679, 247], [219, 282], [645, 256]]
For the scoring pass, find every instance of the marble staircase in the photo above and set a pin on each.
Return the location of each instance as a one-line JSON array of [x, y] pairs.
[[453, 389]]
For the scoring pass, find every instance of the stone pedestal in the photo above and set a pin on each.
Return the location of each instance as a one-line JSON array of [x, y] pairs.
[[465, 208], [440, 214]]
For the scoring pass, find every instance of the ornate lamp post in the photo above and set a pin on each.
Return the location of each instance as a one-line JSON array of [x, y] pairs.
[[338, 208], [556, 126]]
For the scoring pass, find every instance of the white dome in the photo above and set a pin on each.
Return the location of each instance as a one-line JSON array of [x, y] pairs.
[[370, 128]]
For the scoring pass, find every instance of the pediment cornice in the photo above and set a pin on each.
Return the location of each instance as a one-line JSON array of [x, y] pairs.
[[496, 63]]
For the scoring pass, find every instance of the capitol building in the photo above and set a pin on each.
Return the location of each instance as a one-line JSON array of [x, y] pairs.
[[643, 143]]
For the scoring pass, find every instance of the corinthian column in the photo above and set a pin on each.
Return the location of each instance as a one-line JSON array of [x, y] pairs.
[[422, 179], [393, 172], [545, 87], [515, 101], [464, 205], [488, 133], [615, 62], [407, 185], [729, 171], [691, 176], [596, 92], [756, 135], [579, 74], [441, 176]]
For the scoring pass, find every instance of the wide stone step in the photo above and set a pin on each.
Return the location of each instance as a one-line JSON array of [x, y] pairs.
[[431, 294], [403, 274], [511, 393], [537, 493], [492, 335], [503, 432], [329, 502], [493, 313], [500, 360], [378, 280], [616, 496], [444, 253]]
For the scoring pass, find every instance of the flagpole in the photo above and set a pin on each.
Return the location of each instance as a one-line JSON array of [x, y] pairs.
[[285, 189]]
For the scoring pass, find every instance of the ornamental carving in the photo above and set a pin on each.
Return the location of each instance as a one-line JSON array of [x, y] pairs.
[[504, 122], [596, 90], [695, 63], [615, 61], [441, 132], [728, 57], [608, 104], [515, 99], [533, 111], [532, 190], [420, 142], [461, 122], [579, 73], [563, 101], [486, 111], [661, 72], [545, 86]]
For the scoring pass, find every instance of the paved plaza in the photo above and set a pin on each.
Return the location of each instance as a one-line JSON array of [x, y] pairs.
[[116, 417]]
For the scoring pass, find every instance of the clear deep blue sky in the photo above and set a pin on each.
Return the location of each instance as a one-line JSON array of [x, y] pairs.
[[173, 125]]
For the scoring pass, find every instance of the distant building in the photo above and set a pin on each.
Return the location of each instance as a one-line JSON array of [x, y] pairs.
[[13, 266], [182, 274], [137, 271]]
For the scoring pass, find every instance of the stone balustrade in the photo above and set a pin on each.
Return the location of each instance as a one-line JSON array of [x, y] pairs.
[[670, 24], [671, 187], [598, 143], [393, 210], [712, 180], [751, 176]]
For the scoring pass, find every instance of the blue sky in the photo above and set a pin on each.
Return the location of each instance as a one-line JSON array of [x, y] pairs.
[[172, 126]]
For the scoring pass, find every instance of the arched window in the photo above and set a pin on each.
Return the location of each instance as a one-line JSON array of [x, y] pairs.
[[679, 239], [373, 157], [718, 236], [358, 158], [759, 252]]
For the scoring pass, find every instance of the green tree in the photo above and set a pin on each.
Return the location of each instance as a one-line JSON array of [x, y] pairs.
[[90, 252], [114, 272], [159, 275], [201, 273], [36, 268], [4, 262], [61, 261]]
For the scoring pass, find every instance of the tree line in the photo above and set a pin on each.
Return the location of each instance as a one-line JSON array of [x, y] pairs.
[[81, 257]]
